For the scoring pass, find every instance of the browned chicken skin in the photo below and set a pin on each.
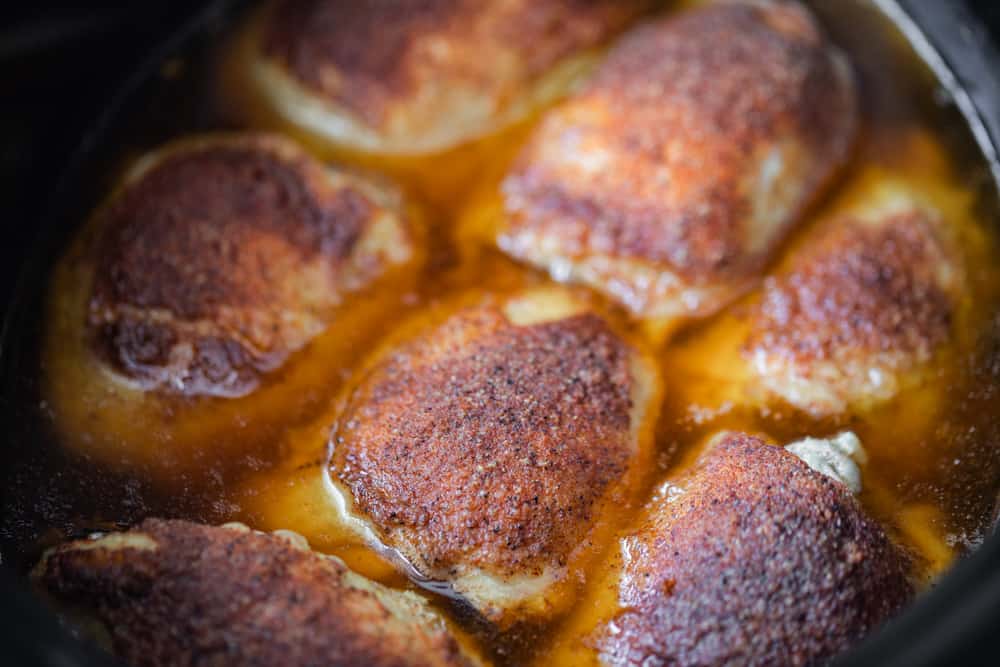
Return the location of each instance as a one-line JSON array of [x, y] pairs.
[[669, 180], [860, 310], [485, 450], [215, 261], [445, 71], [178, 593], [758, 560], [219, 260]]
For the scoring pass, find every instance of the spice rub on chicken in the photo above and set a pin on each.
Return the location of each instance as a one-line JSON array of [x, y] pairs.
[[670, 179], [179, 593], [215, 261], [445, 71], [755, 559], [488, 446], [860, 309]]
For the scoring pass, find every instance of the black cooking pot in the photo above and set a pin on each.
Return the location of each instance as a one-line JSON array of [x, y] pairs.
[[956, 623]]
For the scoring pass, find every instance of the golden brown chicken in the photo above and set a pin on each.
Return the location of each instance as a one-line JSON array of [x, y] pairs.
[[487, 446], [668, 182], [178, 593], [444, 71], [863, 318], [755, 559], [862, 308], [216, 262]]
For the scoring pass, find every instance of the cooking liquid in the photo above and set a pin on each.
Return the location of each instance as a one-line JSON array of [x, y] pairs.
[[932, 476]]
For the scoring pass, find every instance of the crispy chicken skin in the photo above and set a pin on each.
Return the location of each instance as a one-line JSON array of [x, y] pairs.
[[444, 72], [215, 261], [859, 310], [179, 593], [670, 179], [758, 561], [487, 447]]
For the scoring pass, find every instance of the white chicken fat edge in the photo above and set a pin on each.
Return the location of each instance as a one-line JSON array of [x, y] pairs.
[[836, 457]]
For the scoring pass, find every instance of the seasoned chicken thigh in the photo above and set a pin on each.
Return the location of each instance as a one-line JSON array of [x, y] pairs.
[[444, 72], [860, 310], [754, 559], [670, 179], [488, 446], [177, 593], [865, 316], [215, 262]]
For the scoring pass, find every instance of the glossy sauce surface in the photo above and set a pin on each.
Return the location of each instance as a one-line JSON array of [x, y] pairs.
[[932, 474]]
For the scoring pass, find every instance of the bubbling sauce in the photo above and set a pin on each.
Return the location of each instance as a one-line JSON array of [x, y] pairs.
[[931, 476]]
